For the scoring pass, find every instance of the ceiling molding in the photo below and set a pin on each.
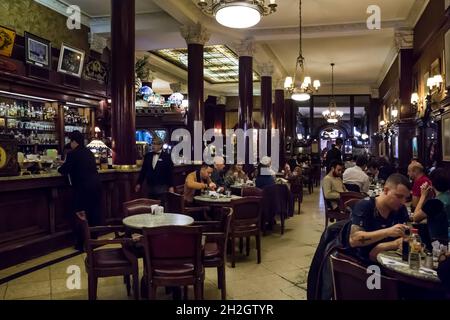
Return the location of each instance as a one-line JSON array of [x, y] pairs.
[[416, 12], [61, 7], [323, 31], [156, 21], [389, 61]]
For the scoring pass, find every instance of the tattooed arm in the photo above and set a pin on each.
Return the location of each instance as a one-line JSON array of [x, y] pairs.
[[361, 238], [385, 246]]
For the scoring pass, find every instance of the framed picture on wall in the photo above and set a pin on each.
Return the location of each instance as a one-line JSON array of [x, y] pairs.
[[38, 51], [7, 38], [447, 58], [71, 61], [446, 137]]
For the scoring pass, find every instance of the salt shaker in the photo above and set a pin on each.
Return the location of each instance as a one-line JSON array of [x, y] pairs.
[[428, 260]]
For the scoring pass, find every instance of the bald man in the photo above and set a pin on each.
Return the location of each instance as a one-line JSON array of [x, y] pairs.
[[417, 173]]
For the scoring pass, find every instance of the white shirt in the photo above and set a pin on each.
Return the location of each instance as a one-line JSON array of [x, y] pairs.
[[357, 176], [155, 159]]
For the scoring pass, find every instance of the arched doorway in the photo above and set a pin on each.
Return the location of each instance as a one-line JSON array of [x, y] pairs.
[[328, 135]]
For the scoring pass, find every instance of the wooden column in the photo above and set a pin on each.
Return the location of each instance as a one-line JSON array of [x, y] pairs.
[[196, 36], [122, 83], [245, 113], [352, 116], [266, 71], [279, 120]]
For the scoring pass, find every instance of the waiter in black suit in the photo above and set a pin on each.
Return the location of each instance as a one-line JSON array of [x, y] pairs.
[[334, 153], [81, 169], [157, 170]]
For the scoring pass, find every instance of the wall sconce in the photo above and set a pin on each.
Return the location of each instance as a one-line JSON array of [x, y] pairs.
[[382, 123], [415, 98], [394, 113], [435, 81]]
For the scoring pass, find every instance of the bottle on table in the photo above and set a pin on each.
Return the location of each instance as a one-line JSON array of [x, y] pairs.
[[415, 250], [405, 245]]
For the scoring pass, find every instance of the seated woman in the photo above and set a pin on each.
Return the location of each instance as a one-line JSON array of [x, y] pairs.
[[266, 176], [437, 210], [235, 174]]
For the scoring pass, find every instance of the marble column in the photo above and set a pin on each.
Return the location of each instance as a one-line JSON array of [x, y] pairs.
[[245, 50], [196, 36], [122, 81], [266, 72]]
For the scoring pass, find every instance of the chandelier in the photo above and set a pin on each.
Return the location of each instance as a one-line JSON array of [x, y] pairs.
[[332, 115], [307, 88], [237, 14]]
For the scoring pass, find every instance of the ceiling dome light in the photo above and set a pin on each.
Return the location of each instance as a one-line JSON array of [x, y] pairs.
[[300, 96], [238, 16]]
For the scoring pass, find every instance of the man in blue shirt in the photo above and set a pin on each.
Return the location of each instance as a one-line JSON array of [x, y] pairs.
[[378, 224]]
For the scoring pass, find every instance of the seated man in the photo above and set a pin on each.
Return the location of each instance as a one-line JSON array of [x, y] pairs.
[[332, 184], [378, 223], [437, 210], [217, 175], [267, 178], [197, 181], [356, 175], [417, 173], [372, 170]]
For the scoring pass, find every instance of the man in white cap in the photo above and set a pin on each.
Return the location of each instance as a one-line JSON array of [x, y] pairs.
[[217, 174], [266, 178]]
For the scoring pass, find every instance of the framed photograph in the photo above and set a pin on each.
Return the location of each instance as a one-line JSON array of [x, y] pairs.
[[446, 137], [71, 61], [447, 58], [38, 51], [95, 70], [415, 148], [7, 38]]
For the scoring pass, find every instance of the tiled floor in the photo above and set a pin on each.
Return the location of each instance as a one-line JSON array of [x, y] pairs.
[[281, 275]]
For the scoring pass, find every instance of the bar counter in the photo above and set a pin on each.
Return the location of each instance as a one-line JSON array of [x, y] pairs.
[[36, 214]]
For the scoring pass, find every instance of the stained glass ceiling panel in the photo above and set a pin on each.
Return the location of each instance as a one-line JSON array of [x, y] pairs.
[[221, 64]]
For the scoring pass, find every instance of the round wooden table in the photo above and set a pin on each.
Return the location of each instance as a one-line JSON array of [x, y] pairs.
[[148, 220], [215, 202], [396, 268]]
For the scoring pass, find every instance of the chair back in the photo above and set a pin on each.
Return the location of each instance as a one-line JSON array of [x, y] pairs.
[[296, 185], [251, 192], [171, 248], [179, 189], [174, 202], [83, 225], [350, 282], [352, 187], [138, 206], [345, 196], [246, 215]]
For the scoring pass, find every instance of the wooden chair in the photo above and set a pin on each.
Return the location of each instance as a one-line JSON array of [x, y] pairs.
[[345, 196], [308, 179], [173, 258], [108, 262], [251, 192], [332, 214], [246, 222], [138, 206], [216, 233], [179, 189], [175, 204], [297, 191], [352, 187], [350, 282]]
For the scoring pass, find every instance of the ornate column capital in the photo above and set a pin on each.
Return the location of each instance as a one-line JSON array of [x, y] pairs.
[[266, 69], [404, 39], [374, 93], [97, 43], [278, 84], [222, 100], [197, 34], [245, 48]]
